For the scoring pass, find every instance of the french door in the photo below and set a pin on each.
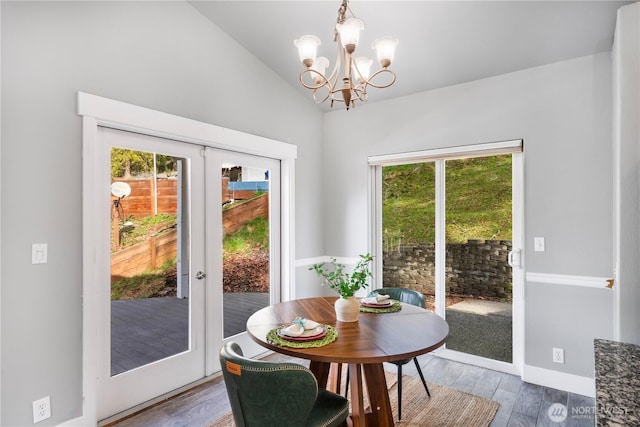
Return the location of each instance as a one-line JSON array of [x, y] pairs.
[[192, 201], [448, 223], [157, 184]]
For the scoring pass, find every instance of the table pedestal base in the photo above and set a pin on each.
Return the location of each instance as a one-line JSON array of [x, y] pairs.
[[378, 414]]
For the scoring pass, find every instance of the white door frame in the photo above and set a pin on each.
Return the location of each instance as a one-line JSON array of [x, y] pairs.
[[98, 111], [515, 148]]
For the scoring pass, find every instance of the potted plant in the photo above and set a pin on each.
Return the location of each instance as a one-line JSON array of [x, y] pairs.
[[345, 284]]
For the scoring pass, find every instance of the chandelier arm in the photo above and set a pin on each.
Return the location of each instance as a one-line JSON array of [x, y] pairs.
[[334, 94], [333, 78], [360, 93], [368, 82], [324, 81], [315, 98]]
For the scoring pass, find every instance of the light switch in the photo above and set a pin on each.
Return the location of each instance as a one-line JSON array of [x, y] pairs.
[[39, 253], [538, 244]]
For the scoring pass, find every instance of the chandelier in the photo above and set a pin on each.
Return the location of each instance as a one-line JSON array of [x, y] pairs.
[[356, 76]]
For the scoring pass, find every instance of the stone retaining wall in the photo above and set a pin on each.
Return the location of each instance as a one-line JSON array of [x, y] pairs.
[[478, 267]]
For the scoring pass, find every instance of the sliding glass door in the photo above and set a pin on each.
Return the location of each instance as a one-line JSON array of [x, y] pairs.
[[449, 225]]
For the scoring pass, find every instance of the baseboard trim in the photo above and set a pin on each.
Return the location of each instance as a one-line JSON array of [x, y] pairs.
[[76, 422], [571, 383]]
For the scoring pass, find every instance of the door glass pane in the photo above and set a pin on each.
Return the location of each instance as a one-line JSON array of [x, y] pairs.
[[478, 241], [149, 258], [246, 254], [408, 225]]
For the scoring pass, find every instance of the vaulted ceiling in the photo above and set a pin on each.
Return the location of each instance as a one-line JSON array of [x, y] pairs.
[[442, 43]]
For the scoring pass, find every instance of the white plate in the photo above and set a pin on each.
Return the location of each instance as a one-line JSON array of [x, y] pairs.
[[387, 303], [318, 330], [308, 335]]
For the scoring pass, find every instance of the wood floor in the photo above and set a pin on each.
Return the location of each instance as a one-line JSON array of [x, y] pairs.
[[521, 404]]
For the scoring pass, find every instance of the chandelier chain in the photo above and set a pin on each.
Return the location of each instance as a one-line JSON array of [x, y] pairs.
[[342, 10]]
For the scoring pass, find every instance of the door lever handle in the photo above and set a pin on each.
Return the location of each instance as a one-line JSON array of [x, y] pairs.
[[201, 275], [514, 258]]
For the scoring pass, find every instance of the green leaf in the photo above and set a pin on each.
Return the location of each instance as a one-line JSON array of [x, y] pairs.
[[343, 283]]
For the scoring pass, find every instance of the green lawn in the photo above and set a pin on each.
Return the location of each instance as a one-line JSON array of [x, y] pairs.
[[478, 201]]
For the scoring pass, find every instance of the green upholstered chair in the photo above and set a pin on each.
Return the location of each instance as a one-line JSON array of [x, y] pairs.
[[407, 296], [271, 394]]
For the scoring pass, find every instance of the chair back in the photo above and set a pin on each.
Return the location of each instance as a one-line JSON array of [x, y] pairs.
[[407, 296], [267, 393]]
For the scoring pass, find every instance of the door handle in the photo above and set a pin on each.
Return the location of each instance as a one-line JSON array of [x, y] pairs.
[[201, 275], [514, 258]]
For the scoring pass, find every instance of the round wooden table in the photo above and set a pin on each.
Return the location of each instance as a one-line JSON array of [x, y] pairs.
[[363, 345]]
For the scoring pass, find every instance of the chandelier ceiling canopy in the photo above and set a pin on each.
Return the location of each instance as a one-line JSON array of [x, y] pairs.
[[349, 83]]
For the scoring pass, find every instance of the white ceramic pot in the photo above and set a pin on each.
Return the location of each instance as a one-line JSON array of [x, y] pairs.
[[347, 309]]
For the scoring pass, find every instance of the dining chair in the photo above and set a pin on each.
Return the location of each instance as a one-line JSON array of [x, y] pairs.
[[265, 394], [407, 296]]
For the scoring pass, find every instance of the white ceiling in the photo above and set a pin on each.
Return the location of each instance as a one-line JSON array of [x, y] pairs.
[[442, 43]]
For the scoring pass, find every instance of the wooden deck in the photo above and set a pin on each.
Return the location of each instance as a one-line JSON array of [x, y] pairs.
[[146, 330]]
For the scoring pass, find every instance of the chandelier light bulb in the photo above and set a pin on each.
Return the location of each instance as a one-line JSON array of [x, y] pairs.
[[320, 65], [349, 32], [307, 49], [362, 68], [385, 48]]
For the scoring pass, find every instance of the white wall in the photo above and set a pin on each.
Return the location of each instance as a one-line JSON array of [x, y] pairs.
[[166, 56], [626, 68], [563, 113], [161, 55]]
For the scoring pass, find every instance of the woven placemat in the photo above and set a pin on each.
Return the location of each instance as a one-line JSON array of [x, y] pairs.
[[396, 306], [276, 339]]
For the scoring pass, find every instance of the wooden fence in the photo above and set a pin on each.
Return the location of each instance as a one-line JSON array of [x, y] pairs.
[[141, 202], [146, 256], [151, 254], [237, 215]]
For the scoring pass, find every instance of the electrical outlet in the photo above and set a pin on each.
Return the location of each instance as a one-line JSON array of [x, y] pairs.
[[558, 355], [39, 253], [41, 409]]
